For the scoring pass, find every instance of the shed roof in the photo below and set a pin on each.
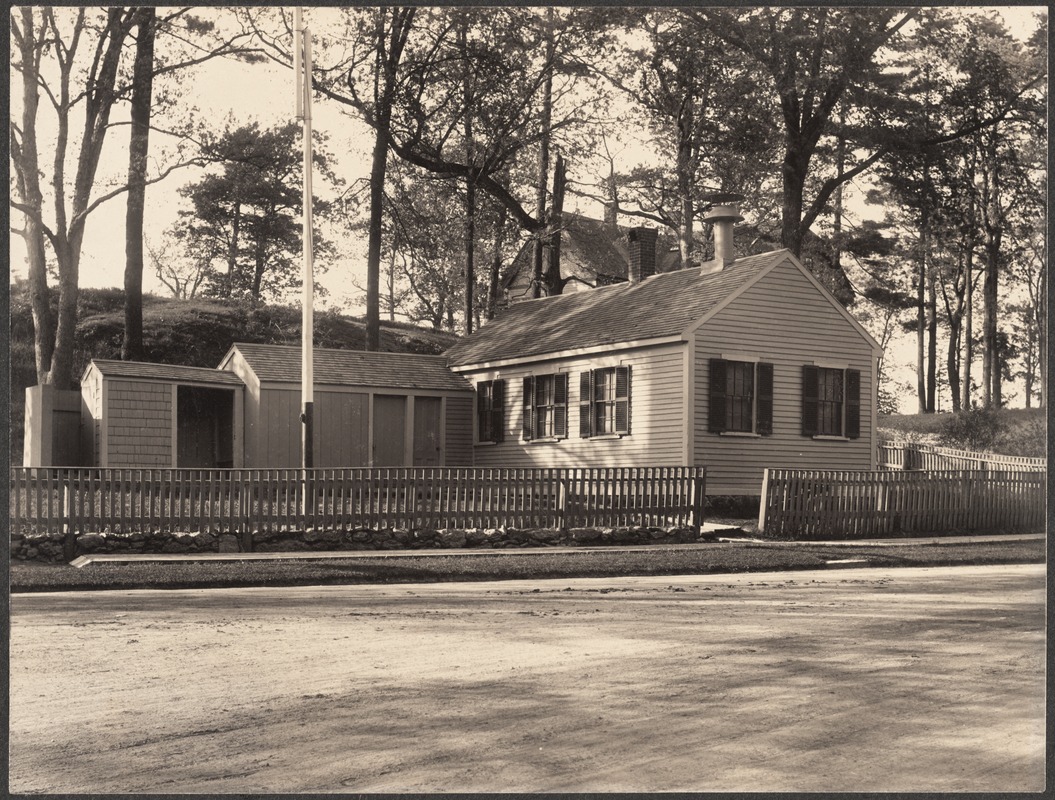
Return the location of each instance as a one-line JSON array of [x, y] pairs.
[[175, 373], [661, 306], [281, 364]]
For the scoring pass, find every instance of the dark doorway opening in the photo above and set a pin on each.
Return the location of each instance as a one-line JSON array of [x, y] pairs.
[[204, 427]]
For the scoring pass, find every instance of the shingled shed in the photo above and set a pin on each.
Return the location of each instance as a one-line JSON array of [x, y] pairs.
[[371, 409], [137, 414]]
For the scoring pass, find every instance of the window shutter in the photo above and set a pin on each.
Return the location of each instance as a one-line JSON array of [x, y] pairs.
[[481, 427], [764, 400], [585, 404], [716, 394], [622, 400], [853, 404], [809, 400], [560, 405], [529, 408], [498, 417]]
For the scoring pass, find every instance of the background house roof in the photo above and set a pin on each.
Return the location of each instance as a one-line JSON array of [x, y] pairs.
[[661, 306], [594, 251], [281, 364], [164, 372]]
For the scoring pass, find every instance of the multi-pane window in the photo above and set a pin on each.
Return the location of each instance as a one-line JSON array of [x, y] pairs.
[[490, 408], [831, 402], [604, 402], [740, 394], [546, 406]]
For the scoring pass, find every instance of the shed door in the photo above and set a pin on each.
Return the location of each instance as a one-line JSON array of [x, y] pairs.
[[390, 425], [426, 431]]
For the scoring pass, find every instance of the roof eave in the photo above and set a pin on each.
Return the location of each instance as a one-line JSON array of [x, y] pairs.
[[552, 355]]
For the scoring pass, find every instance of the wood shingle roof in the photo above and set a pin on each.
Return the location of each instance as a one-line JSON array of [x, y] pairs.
[[281, 364], [661, 306], [175, 373]]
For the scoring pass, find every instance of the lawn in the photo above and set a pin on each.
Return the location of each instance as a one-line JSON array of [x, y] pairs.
[[510, 565]]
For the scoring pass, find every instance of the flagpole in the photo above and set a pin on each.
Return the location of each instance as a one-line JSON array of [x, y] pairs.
[[302, 78]]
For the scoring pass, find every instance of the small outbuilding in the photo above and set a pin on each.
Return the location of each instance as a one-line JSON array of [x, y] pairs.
[[137, 414], [371, 409]]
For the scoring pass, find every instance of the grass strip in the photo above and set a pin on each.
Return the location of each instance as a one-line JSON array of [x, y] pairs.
[[509, 565]]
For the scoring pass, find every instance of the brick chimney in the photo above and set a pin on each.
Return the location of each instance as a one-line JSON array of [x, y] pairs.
[[723, 214], [642, 254]]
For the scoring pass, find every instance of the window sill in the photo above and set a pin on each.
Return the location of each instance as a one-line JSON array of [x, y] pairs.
[[606, 436], [823, 438], [741, 434], [484, 444], [546, 440]]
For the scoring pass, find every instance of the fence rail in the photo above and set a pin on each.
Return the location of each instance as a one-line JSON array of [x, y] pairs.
[[909, 456], [814, 504], [240, 501]]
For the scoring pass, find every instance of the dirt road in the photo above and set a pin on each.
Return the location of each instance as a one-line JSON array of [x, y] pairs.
[[880, 680]]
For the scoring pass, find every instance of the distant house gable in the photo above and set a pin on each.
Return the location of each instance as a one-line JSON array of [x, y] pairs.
[[282, 364], [593, 253]]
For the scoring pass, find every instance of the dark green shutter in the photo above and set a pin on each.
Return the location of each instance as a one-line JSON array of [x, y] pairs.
[[764, 400], [529, 408], [716, 412], [586, 404], [560, 405], [498, 417], [622, 400], [853, 404], [809, 400]]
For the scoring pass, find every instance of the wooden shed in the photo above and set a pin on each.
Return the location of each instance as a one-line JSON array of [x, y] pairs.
[[136, 414], [371, 409], [736, 365]]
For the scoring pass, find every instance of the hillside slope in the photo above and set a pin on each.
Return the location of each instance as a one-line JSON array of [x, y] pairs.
[[194, 333]]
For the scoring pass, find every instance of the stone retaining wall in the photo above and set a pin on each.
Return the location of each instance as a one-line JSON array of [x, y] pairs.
[[54, 548]]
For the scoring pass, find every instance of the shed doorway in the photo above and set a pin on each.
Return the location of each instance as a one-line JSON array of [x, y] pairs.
[[427, 431], [204, 427], [390, 425]]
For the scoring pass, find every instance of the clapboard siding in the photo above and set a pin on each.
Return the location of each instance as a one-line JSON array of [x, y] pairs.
[[458, 445], [656, 414], [139, 424], [786, 321]]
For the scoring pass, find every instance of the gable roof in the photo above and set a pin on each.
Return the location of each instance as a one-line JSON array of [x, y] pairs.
[[281, 364], [175, 373], [592, 250], [662, 306]]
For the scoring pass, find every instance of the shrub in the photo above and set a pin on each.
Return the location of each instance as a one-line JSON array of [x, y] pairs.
[[1028, 438], [976, 429]]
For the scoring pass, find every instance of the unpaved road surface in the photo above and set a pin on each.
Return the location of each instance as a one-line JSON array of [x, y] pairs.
[[850, 680]]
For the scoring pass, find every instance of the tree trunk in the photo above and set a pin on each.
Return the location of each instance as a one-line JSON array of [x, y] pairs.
[[545, 123], [932, 339], [552, 278], [470, 183], [470, 241], [793, 172], [968, 318], [496, 263], [991, 355], [687, 208], [142, 97], [373, 250], [232, 249], [25, 157]]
